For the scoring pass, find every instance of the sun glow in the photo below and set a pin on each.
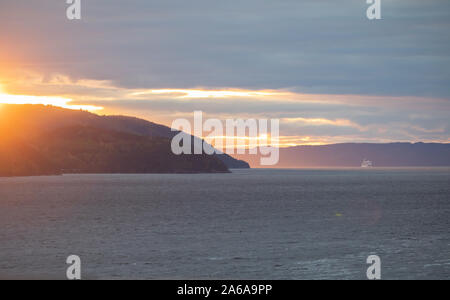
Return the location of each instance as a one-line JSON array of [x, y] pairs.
[[263, 140], [188, 93], [55, 101]]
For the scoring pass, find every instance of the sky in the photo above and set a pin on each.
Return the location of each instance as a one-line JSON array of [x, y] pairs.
[[327, 72]]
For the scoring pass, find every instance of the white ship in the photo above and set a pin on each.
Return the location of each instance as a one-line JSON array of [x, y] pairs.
[[366, 164]]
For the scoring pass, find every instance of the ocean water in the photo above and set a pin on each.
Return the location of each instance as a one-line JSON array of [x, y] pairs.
[[251, 224]]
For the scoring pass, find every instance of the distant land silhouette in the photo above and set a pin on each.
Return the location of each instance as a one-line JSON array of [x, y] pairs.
[[352, 155], [46, 140]]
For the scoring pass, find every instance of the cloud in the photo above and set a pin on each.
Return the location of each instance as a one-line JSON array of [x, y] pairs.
[[320, 66], [316, 47], [324, 122], [305, 118]]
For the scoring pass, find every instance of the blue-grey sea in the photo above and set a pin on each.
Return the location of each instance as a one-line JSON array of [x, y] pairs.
[[251, 224]]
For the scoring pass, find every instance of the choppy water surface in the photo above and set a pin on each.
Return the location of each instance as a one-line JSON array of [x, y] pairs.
[[252, 224]]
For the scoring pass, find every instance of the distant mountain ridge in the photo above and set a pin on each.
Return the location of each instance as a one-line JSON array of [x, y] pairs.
[[351, 155], [43, 140], [53, 140]]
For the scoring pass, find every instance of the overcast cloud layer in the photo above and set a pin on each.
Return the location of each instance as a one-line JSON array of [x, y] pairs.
[[325, 47]]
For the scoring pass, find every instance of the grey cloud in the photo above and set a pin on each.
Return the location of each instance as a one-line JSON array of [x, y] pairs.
[[313, 46], [309, 46], [396, 123]]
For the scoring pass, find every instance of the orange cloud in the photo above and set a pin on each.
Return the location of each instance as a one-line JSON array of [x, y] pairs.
[[199, 93], [322, 122], [51, 100]]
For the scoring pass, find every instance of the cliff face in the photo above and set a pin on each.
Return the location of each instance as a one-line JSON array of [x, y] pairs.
[[40, 140]]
